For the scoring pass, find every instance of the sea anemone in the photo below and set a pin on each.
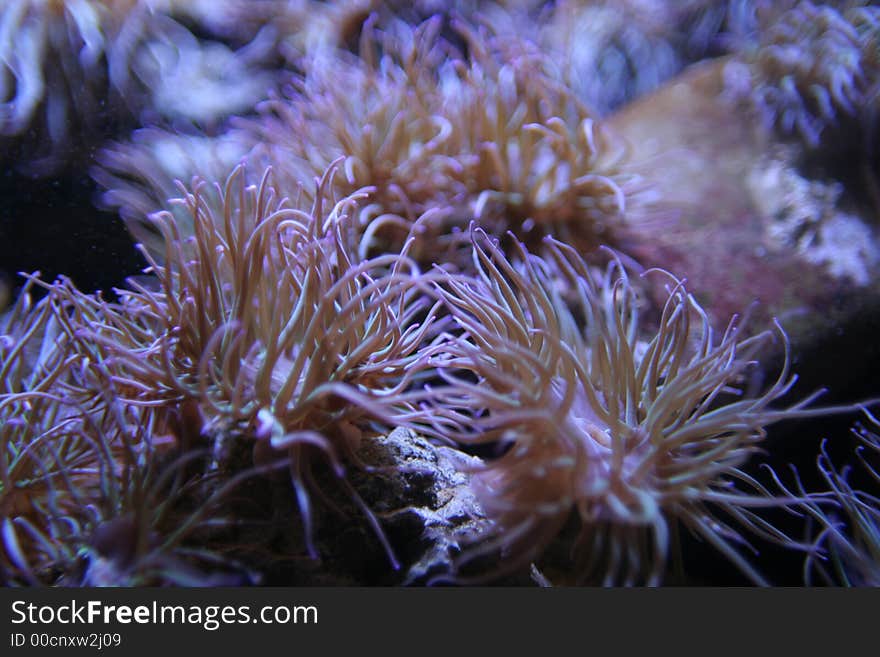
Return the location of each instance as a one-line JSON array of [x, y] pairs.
[[532, 156], [637, 438], [307, 27], [219, 81], [380, 116], [848, 543], [91, 488], [51, 52], [813, 65], [49, 469], [266, 326], [444, 137], [83, 63]]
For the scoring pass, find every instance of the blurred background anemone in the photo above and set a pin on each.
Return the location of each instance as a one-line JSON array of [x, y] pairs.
[[814, 66], [440, 135], [143, 176], [73, 70]]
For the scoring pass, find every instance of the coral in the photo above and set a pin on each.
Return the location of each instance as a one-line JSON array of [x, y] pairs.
[[635, 438]]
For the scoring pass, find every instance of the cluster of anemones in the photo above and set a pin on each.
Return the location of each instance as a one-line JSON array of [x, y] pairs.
[[265, 342], [286, 320]]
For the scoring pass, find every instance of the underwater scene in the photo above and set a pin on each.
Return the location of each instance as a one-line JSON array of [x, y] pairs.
[[439, 293]]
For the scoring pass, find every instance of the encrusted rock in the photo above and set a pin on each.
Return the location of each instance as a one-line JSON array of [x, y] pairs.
[[421, 491]]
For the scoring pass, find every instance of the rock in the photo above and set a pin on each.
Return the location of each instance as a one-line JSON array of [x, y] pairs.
[[421, 492], [740, 218]]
